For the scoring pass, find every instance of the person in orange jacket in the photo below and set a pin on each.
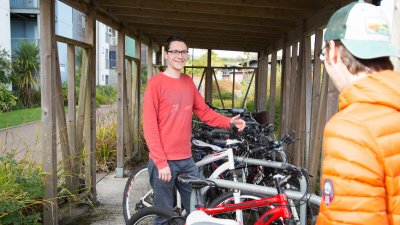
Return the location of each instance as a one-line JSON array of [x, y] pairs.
[[361, 167]]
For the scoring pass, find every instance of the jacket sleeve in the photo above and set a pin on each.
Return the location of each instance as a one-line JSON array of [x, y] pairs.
[[353, 179], [207, 115], [150, 125]]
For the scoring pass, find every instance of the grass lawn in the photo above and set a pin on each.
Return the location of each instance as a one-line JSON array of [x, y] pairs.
[[16, 117]]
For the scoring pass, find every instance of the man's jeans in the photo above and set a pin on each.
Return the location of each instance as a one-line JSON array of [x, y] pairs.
[[164, 192]]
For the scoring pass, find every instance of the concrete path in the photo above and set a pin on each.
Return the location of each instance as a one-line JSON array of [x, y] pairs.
[[26, 140], [109, 211]]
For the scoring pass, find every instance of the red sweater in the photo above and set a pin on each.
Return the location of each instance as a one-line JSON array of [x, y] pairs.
[[167, 117]]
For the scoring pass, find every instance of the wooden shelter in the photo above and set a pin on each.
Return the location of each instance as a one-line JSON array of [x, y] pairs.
[[308, 99]]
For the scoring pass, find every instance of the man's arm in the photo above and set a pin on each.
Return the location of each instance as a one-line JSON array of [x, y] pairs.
[[152, 132], [353, 178]]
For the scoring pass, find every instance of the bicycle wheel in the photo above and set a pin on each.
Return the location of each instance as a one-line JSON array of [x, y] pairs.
[[147, 216], [250, 216], [138, 193]]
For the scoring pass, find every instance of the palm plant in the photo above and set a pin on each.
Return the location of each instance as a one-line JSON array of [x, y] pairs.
[[26, 66]]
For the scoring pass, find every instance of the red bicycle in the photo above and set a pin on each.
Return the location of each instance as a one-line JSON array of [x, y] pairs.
[[232, 208]]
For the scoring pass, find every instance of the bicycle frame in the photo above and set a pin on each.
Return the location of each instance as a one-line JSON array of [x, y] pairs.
[[280, 210]]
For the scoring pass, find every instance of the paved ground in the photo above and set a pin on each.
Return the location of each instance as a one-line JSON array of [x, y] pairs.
[[109, 211], [26, 140]]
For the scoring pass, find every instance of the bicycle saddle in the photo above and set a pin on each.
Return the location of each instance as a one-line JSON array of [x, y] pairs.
[[194, 181], [201, 218]]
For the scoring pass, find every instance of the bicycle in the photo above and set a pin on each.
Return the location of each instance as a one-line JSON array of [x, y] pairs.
[[265, 210], [143, 196]]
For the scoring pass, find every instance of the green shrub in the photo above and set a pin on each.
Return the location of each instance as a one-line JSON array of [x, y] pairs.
[[106, 95], [106, 147], [21, 191], [7, 99]]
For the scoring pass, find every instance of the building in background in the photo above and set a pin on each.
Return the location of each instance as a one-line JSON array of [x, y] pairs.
[[5, 39], [24, 22], [20, 21]]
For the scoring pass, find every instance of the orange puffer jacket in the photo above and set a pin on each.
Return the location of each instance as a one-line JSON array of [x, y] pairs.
[[361, 168]]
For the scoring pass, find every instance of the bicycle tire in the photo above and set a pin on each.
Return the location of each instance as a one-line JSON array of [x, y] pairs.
[[137, 186], [250, 216], [146, 216]]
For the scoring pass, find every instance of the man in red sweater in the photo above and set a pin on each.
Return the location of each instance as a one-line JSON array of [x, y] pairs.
[[169, 101]]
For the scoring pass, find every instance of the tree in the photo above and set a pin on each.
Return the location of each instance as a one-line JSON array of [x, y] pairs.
[[5, 67], [25, 69]]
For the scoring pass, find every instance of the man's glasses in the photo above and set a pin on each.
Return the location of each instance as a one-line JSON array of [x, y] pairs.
[[321, 54], [176, 53]]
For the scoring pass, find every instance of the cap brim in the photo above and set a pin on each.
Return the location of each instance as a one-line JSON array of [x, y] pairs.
[[370, 49]]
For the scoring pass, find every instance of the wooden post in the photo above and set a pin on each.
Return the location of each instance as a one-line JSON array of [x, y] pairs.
[[286, 90], [308, 99], [315, 163], [150, 71], [129, 104], [81, 110], [316, 90], [48, 70], [208, 80], [90, 108], [272, 93], [233, 87], [62, 126], [72, 116], [396, 33], [299, 101], [262, 81], [121, 102], [136, 100], [293, 84]]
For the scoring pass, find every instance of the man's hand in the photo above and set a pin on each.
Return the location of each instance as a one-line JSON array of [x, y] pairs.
[[239, 123], [165, 174]]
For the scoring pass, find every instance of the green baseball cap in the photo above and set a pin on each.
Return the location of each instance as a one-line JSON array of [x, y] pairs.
[[363, 29]]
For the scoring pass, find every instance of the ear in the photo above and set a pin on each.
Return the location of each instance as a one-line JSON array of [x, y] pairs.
[[332, 53], [165, 55]]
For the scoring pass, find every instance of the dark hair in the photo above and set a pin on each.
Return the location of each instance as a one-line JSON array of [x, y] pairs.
[[356, 65], [174, 38]]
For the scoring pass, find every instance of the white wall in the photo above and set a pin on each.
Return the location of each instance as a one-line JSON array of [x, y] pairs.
[[102, 48], [5, 37]]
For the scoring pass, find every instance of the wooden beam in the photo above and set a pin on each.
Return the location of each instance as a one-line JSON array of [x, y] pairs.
[[90, 108], [150, 72], [308, 76], [121, 101], [136, 101], [221, 25], [319, 130], [62, 126], [159, 34], [81, 109], [288, 4], [316, 93], [208, 80], [176, 28], [262, 82], [124, 6], [272, 93], [73, 42], [72, 117], [191, 16], [129, 81], [285, 86], [48, 69]]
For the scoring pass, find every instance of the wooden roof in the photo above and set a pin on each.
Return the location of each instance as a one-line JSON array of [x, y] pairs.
[[244, 25]]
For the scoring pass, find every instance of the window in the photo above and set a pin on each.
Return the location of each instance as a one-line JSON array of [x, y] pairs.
[[113, 60]]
